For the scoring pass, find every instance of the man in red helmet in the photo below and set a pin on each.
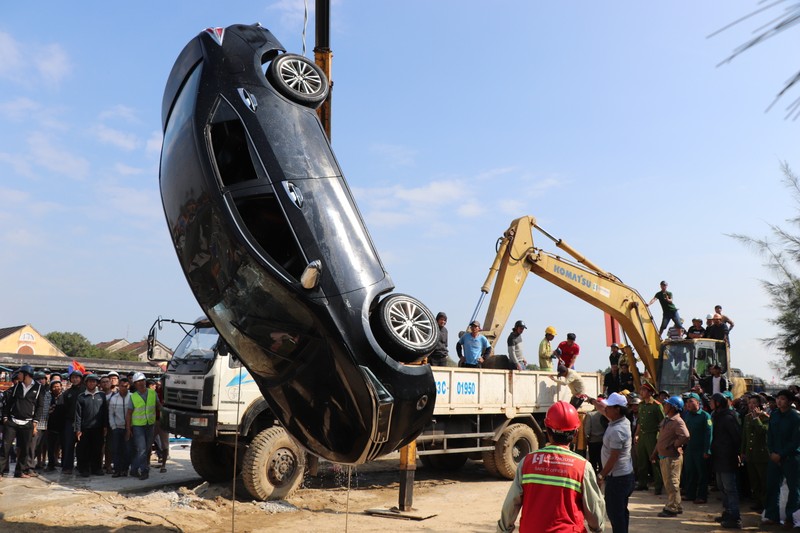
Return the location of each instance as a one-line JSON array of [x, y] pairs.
[[555, 488]]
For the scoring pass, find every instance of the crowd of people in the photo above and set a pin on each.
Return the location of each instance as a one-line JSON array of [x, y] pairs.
[[681, 445], [84, 424]]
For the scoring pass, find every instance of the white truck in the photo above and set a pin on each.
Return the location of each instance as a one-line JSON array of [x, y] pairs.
[[490, 415], [493, 415]]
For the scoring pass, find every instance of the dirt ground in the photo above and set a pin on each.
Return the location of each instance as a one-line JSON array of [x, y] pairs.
[[464, 501]]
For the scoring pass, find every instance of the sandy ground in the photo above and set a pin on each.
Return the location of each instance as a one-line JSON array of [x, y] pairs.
[[465, 501]]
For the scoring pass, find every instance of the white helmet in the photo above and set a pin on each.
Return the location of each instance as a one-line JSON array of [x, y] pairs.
[[138, 376]]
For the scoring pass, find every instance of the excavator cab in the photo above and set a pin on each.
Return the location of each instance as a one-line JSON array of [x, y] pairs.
[[683, 363]]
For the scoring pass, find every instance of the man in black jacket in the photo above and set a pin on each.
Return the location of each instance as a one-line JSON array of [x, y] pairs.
[[91, 420], [23, 408], [715, 383], [725, 447], [68, 399]]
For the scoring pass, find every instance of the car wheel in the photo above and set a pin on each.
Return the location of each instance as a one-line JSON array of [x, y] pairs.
[[404, 327], [299, 79]]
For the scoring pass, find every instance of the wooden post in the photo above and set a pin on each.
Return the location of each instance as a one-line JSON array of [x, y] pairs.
[[408, 464]]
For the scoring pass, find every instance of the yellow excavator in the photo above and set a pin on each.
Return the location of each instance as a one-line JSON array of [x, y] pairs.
[[668, 364]]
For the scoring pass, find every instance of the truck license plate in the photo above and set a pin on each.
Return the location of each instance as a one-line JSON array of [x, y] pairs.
[[172, 421]]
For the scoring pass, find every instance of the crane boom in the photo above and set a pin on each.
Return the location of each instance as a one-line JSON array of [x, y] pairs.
[[517, 256]]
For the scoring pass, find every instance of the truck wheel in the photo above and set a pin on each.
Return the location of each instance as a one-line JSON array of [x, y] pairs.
[[490, 462], [517, 441], [212, 461], [404, 327], [273, 465]]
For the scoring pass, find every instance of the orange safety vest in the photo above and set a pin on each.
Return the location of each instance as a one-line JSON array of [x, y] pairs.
[[552, 491]]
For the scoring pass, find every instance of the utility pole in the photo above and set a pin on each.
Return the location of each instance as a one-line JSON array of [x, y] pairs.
[[322, 57]]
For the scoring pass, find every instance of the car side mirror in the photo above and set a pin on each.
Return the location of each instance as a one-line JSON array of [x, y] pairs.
[[311, 274]]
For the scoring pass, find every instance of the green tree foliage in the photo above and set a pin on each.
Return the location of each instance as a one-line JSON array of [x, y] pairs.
[[76, 345], [782, 254]]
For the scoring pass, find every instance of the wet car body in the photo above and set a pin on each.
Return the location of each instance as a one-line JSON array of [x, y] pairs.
[[276, 253]]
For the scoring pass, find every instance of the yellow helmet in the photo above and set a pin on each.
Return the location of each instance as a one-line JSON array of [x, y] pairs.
[[550, 330]]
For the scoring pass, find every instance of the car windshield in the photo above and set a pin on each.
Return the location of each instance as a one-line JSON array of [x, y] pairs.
[[199, 343]]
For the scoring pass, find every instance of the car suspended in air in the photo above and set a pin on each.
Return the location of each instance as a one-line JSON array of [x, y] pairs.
[[276, 253]]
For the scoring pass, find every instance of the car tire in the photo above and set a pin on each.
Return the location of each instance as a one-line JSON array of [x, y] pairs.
[[404, 327], [212, 461], [299, 79], [273, 465]]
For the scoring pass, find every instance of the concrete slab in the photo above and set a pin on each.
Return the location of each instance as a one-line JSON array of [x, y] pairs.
[[19, 496]]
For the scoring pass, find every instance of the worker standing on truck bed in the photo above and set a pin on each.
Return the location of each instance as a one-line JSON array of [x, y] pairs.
[[555, 488], [670, 312], [545, 350], [439, 355], [515, 355], [473, 347], [568, 350]]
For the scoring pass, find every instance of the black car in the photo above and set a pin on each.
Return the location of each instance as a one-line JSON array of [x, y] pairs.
[[274, 248]]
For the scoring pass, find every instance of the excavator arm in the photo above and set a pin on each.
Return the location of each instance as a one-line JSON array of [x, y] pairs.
[[517, 256]]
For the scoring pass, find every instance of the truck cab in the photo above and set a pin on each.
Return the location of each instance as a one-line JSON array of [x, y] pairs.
[[211, 398], [204, 392], [683, 363]]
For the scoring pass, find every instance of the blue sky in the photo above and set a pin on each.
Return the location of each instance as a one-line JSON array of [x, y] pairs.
[[608, 121]]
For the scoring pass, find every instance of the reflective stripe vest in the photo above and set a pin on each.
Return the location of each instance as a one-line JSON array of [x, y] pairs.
[[552, 491], [144, 413]]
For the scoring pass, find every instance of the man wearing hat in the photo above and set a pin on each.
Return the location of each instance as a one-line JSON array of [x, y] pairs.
[[113, 378], [21, 413], [697, 451], [55, 423], [546, 350], [70, 399], [617, 472], [650, 416], [672, 435], [754, 452], [670, 312], [440, 355], [615, 355], [91, 420], [571, 379], [472, 347], [696, 330], [140, 425], [716, 382], [725, 449], [514, 342], [783, 443], [555, 488], [625, 376], [40, 441]]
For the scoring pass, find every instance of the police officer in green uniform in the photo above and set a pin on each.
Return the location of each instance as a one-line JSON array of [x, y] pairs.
[[754, 449], [651, 413]]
